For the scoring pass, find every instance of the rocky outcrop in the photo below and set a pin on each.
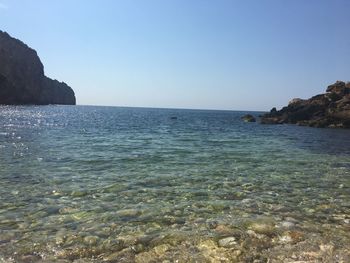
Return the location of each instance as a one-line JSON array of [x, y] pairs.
[[22, 79], [331, 109]]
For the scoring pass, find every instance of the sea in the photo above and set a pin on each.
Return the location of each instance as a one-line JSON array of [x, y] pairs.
[[118, 184]]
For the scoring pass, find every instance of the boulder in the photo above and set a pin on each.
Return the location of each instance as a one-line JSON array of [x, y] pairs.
[[22, 79], [248, 118]]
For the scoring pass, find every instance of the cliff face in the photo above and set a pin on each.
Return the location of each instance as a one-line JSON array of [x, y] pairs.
[[22, 79], [331, 109]]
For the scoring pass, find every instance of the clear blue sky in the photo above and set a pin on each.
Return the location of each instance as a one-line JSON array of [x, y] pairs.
[[218, 54]]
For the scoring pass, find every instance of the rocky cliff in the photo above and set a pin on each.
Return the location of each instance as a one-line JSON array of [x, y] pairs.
[[331, 109], [22, 79]]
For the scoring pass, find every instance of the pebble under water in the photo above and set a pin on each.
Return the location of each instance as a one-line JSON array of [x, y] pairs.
[[108, 184]]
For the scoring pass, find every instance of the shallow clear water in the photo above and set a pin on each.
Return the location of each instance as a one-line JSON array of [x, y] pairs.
[[133, 184]]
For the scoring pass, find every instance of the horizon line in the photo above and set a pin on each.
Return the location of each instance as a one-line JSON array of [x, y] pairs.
[[170, 108]]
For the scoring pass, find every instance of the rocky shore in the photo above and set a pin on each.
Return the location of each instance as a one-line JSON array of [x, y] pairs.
[[331, 109], [259, 240], [22, 79]]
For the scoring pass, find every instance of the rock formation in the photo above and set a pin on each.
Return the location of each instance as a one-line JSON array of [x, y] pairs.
[[331, 109], [248, 118], [22, 79]]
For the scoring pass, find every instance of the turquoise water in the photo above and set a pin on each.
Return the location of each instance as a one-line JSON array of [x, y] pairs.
[[93, 184]]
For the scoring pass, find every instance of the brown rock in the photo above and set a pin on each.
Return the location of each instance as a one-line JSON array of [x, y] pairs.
[[340, 88], [22, 79], [331, 109]]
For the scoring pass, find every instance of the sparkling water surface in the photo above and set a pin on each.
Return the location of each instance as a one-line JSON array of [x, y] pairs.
[[109, 184]]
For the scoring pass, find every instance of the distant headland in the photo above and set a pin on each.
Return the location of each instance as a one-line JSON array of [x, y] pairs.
[[331, 109], [22, 79]]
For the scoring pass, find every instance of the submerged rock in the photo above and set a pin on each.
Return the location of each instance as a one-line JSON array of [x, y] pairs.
[[22, 79], [91, 240], [287, 225], [126, 255], [227, 242], [212, 253], [153, 255], [331, 109], [265, 226], [128, 213]]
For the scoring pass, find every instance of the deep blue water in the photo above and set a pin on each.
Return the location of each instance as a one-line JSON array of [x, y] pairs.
[[75, 178]]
